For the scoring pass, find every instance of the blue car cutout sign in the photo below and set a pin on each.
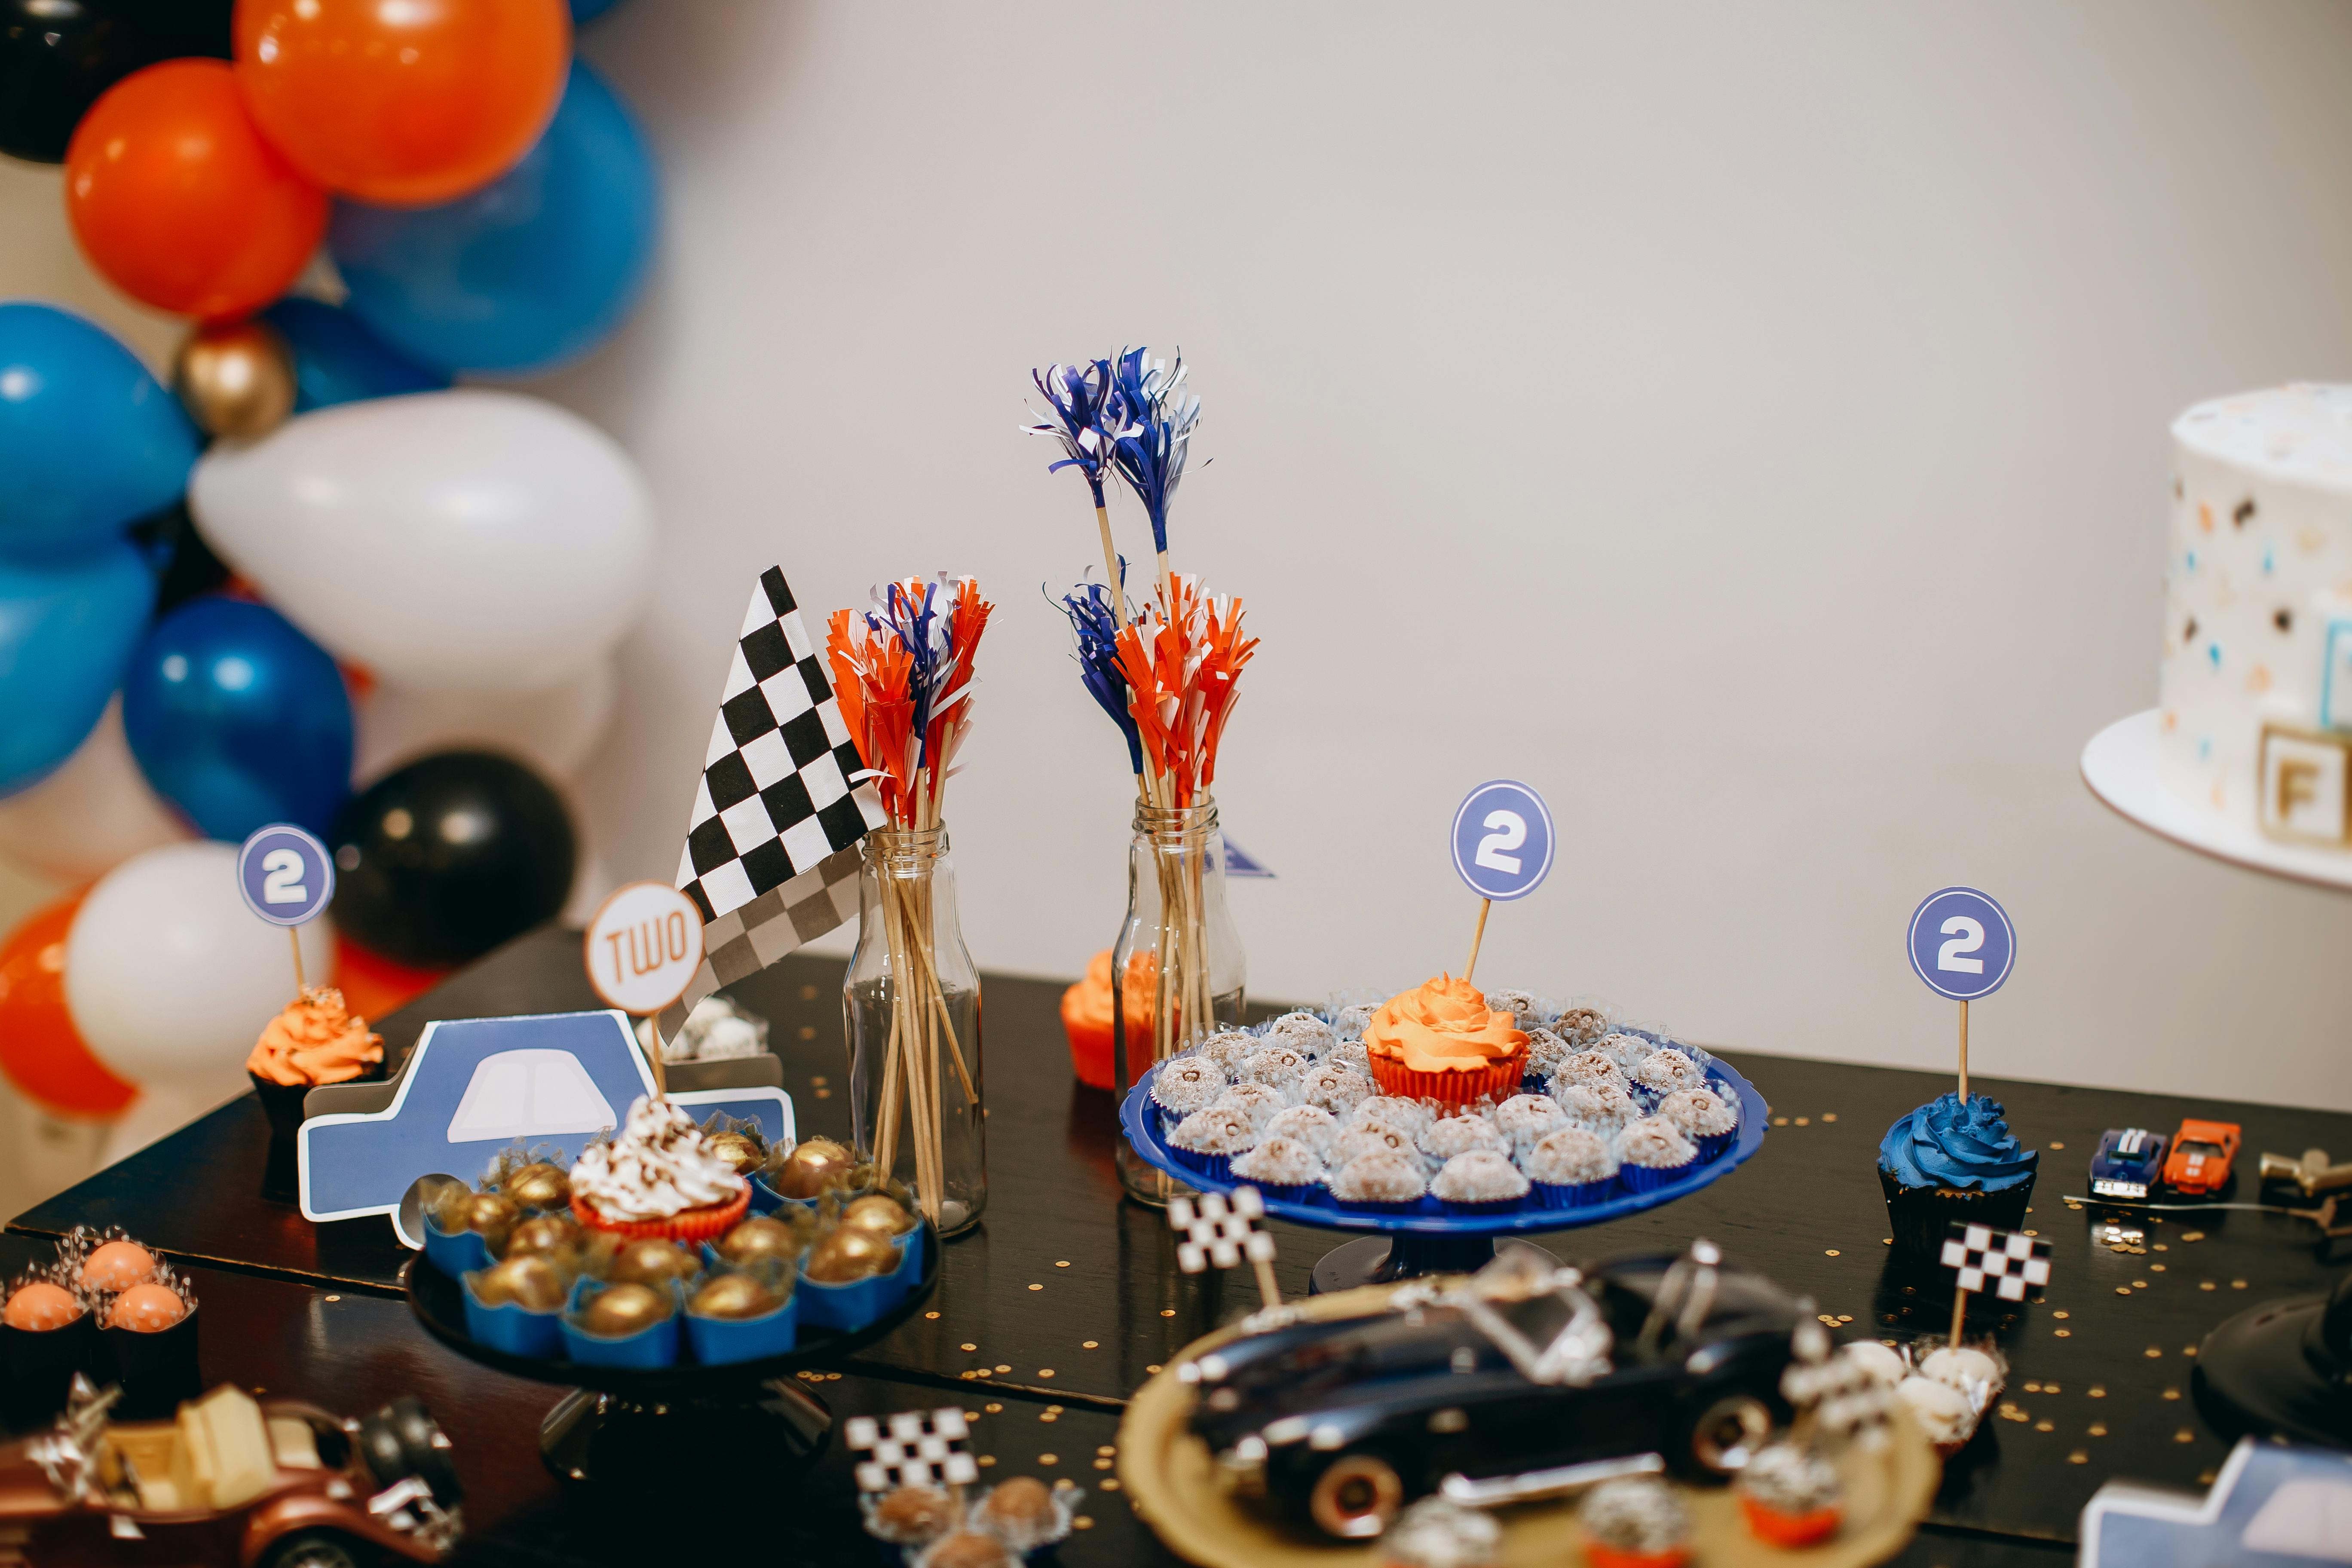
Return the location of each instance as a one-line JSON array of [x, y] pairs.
[[2129, 1162]]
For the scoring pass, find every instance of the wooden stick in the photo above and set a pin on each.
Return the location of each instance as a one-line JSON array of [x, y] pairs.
[[1477, 937], [294, 935], [1963, 1050], [1266, 1288], [654, 1059], [1959, 1310]]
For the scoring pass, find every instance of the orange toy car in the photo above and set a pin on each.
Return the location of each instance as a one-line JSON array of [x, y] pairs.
[[2199, 1164]]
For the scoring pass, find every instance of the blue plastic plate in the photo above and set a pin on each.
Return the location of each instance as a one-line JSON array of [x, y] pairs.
[[1142, 1120]]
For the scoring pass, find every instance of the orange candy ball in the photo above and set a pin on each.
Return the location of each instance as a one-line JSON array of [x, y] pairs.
[[118, 1266], [403, 103], [147, 1308], [41, 1307], [175, 197]]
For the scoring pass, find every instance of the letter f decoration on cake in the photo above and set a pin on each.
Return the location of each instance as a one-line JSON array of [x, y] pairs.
[[770, 846]]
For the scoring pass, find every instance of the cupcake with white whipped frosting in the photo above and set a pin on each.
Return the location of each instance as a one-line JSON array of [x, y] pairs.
[[659, 1178]]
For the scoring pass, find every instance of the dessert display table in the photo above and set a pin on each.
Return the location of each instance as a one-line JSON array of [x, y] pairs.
[[1066, 1300]]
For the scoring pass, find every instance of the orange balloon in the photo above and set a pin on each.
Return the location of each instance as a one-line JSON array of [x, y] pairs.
[[373, 985], [178, 200], [40, 1050], [404, 103]]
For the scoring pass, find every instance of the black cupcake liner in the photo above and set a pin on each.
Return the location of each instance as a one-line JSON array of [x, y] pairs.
[[40, 1364], [1920, 1215], [156, 1370]]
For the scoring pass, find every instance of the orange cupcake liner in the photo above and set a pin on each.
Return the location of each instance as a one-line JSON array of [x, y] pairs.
[[708, 1223], [1601, 1556], [1498, 1080], [1779, 1529]]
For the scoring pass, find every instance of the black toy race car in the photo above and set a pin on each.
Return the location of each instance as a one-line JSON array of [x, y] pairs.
[[1523, 1382]]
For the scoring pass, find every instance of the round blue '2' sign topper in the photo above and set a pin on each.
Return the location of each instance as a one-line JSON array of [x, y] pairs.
[[1962, 943], [1502, 839], [286, 875]]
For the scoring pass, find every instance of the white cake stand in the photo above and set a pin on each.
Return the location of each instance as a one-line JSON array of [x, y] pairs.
[[2119, 764], [2277, 1369]]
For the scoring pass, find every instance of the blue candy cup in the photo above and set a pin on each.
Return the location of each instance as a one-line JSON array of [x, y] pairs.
[[456, 1254], [646, 1350], [717, 1341], [513, 1328]]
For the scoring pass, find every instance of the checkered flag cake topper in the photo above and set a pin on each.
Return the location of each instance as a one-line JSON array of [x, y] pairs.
[[2008, 1262], [912, 1448], [770, 845], [1215, 1229]]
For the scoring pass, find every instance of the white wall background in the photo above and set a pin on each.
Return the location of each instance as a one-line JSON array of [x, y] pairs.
[[1744, 423]]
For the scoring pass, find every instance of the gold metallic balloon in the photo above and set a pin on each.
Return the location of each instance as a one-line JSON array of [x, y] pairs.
[[849, 1255], [493, 1215], [811, 1167], [539, 1185], [651, 1261], [533, 1282], [544, 1235], [761, 1238], [743, 1156], [875, 1212], [734, 1296], [235, 378], [623, 1310]]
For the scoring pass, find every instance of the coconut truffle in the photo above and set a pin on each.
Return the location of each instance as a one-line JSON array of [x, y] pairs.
[[1435, 1533], [1941, 1410], [1257, 1101], [1668, 1071], [1231, 1047], [1407, 1116], [1219, 1130], [1655, 1143], [1603, 1107], [1525, 1010], [1381, 1176], [1787, 1479], [1349, 1054], [1451, 1135], [1588, 1067], [1335, 1088], [1280, 1162], [1303, 1032], [1369, 1138], [1880, 1361], [1545, 1051], [1026, 1513], [1570, 1157], [1961, 1367], [1626, 1050], [1187, 1083], [1349, 1023], [909, 1516], [1310, 1124], [1480, 1176], [1699, 1113], [1280, 1067], [1581, 1024], [1524, 1118], [1636, 1514]]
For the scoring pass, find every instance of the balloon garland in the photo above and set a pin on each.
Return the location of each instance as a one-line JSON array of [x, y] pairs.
[[214, 596]]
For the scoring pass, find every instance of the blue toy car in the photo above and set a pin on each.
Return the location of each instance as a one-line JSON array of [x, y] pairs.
[[2129, 1162]]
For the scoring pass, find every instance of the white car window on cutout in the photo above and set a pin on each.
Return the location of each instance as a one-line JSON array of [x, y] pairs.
[[530, 1094]]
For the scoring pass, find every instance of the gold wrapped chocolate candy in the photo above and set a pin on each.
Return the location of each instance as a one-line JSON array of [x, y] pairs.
[[651, 1261], [734, 1296], [913, 1515], [885, 1216], [493, 1215], [849, 1255], [542, 1235], [761, 1238], [619, 1310], [533, 1283], [1021, 1508], [742, 1153], [813, 1166], [539, 1185]]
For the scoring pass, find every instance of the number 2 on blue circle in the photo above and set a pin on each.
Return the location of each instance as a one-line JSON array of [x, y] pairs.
[[1961, 943], [285, 874], [1502, 839]]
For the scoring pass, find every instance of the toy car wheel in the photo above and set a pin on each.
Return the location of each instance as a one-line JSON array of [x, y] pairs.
[[403, 1439], [1355, 1496], [313, 1549], [1727, 1436]]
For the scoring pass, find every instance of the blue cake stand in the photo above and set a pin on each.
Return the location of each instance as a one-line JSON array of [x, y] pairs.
[[1430, 1240]]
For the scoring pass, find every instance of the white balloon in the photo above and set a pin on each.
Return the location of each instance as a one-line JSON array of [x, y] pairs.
[[552, 730], [91, 815], [170, 978], [468, 540]]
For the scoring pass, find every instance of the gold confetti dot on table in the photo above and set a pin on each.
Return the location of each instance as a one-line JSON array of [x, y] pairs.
[[1036, 1287], [808, 1031], [2204, 1478], [1045, 1372], [1062, 1263], [825, 1094], [1084, 1523], [2057, 1145], [2193, 1235], [972, 1414], [1829, 1116], [1845, 1317], [1111, 1484], [986, 1461], [1063, 1484], [2074, 1208], [2172, 1394], [2207, 1285], [2123, 1289], [2049, 1388], [1049, 1418], [2066, 1334], [817, 1082], [1167, 1312], [2160, 1247], [1102, 1464], [2153, 1353], [1886, 1241], [2189, 1350], [2237, 1284], [2058, 1314], [930, 1314], [2156, 1269], [2098, 1428], [1049, 1458], [1829, 1252], [971, 1347], [2097, 1393], [2184, 1435], [2032, 1232], [1153, 1369], [808, 993], [1087, 1344], [2032, 1388], [991, 1408], [2045, 1426], [1804, 1121], [1053, 1410], [1780, 1121], [2139, 1284], [1105, 1450], [966, 1375], [2078, 1458], [1003, 1367]]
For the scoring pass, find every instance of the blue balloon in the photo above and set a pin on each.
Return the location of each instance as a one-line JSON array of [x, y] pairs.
[[338, 360], [67, 629], [89, 441], [589, 10], [239, 720], [525, 274]]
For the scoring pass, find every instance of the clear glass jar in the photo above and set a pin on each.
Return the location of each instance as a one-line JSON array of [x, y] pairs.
[[1179, 940], [911, 1007]]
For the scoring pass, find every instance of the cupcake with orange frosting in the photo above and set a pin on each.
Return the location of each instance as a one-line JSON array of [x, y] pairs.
[[315, 1040], [1441, 1042]]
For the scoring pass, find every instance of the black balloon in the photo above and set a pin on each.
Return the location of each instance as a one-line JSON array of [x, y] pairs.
[[56, 57], [187, 565], [442, 860]]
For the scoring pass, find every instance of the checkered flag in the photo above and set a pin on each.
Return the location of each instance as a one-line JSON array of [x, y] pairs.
[[912, 1448], [1219, 1231], [2007, 1261], [769, 854]]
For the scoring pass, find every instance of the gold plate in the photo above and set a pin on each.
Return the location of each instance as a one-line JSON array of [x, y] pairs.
[[1171, 1479]]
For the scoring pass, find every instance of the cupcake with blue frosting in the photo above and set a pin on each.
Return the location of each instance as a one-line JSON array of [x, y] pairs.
[[1953, 1159]]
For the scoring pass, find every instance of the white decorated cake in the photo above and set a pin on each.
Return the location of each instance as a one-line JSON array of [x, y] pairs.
[[2255, 721]]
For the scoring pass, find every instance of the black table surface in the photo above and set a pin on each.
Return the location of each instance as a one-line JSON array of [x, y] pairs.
[[1068, 1296]]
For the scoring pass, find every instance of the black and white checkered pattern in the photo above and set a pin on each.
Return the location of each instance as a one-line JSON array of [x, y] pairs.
[[1219, 1231], [2007, 1261], [912, 1448]]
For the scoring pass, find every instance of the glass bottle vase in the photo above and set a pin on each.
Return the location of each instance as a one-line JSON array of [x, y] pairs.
[[912, 1008], [1177, 972]]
